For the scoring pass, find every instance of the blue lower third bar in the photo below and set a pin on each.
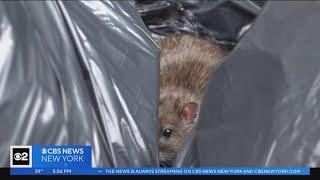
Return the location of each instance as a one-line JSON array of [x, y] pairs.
[[162, 171]]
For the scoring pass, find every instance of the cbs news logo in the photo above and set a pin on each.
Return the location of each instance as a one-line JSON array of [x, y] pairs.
[[21, 156]]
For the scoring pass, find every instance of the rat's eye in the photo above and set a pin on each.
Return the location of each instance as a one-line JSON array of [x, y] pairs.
[[167, 133]]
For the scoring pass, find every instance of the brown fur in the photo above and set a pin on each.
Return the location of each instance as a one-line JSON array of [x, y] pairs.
[[185, 63]]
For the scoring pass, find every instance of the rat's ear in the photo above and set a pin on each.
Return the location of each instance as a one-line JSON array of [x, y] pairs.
[[190, 111]]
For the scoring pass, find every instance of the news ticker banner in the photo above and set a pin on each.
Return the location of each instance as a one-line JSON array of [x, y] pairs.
[[76, 160]]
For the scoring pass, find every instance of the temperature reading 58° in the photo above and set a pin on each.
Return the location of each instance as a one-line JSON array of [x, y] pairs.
[[38, 171]]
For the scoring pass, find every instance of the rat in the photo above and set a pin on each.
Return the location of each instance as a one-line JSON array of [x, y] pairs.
[[185, 64]]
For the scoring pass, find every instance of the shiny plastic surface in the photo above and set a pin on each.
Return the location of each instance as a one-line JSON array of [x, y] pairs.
[[224, 21], [82, 73], [261, 106], [87, 73]]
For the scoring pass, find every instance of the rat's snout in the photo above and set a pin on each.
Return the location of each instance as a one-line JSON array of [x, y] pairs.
[[161, 164], [165, 159]]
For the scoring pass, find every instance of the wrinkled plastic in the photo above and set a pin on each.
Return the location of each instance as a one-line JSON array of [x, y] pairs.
[[261, 106], [224, 21], [87, 72], [79, 73]]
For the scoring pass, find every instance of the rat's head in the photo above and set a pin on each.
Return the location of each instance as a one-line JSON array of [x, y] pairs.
[[178, 113]]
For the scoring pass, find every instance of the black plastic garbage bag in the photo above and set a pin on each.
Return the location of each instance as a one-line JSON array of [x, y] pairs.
[[261, 106], [224, 21], [87, 73], [79, 73]]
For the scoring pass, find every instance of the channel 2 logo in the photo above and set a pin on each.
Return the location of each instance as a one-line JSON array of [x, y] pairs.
[[21, 156]]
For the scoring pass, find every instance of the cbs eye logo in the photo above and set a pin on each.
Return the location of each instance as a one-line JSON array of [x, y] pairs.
[[20, 156]]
